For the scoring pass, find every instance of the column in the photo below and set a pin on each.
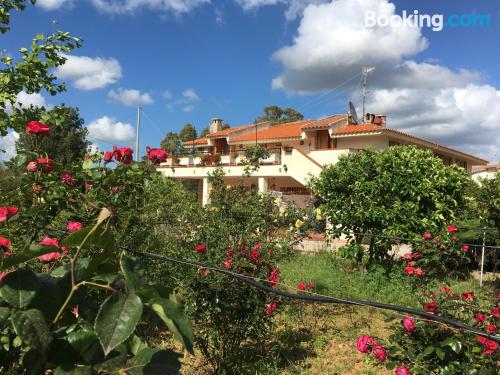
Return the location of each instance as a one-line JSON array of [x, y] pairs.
[[206, 192], [262, 185]]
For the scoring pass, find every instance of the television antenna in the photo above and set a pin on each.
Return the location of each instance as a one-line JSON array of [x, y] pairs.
[[353, 116], [366, 71]]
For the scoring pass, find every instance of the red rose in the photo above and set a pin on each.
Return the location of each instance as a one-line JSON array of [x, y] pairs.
[[7, 212], [36, 127], [311, 285], [68, 179], [273, 276], [452, 228], [409, 323], [465, 248], [46, 164], [228, 263], [123, 154], [416, 256], [409, 270], [430, 307], [200, 248], [496, 312], [468, 296], [402, 370], [50, 257], [363, 344], [254, 255], [301, 286], [156, 155], [481, 318], [379, 352], [419, 272], [4, 243], [3, 274], [73, 226], [491, 328], [88, 186], [271, 307], [445, 290], [427, 236], [108, 155], [490, 345]]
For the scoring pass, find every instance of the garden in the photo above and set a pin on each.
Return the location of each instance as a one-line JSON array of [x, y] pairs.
[[107, 267]]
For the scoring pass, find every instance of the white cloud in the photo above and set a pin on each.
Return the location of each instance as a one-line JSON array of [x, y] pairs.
[[188, 108], [166, 95], [332, 45], [130, 6], [191, 95], [108, 129], [89, 73], [130, 97], [24, 100], [53, 4], [8, 145]]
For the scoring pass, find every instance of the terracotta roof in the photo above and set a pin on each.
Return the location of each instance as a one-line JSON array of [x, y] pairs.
[[225, 132], [371, 128], [359, 128], [289, 130], [480, 168], [324, 122], [196, 142]]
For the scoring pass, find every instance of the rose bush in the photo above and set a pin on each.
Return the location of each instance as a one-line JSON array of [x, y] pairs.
[[70, 298], [420, 346]]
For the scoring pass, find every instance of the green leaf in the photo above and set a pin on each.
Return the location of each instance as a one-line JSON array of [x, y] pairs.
[[4, 315], [153, 362], [171, 313], [427, 351], [86, 344], [31, 327], [19, 288], [97, 236], [49, 297], [132, 271], [454, 343], [67, 369], [117, 319], [33, 251], [136, 345], [440, 353]]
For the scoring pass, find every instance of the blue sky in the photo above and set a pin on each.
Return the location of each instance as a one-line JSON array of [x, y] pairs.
[[191, 60]]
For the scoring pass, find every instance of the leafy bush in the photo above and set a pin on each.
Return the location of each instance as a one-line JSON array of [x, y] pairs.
[[238, 232], [76, 303], [399, 191]]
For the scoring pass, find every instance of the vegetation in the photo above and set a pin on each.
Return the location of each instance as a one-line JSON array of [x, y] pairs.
[[187, 133], [399, 191], [172, 143], [276, 115], [489, 201]]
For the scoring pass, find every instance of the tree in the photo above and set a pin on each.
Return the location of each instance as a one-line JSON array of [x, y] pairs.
[[187, 133], [277, 115], [32, 73], [172, 143], [67, 142], [206, 131], [400, 191], [488, 197]]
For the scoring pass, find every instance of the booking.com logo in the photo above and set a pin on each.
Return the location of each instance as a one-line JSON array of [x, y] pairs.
[[436, 22]]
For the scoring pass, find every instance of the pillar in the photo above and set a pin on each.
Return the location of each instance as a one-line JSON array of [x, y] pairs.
[[206, 192], [262, 185]]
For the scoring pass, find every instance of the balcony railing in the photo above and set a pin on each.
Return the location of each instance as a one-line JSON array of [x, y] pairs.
[[209, 160]]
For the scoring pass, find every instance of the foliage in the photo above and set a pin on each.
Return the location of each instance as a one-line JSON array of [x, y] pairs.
[[253, 158], [427, 347], [32, 73], [172, 143], [187, 133], [276, 115], [66, 144], [488, 196], [76, 304], [238, 232], [399, 191]]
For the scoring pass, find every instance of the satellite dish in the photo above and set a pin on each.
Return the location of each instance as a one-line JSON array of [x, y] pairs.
[[353, 116]]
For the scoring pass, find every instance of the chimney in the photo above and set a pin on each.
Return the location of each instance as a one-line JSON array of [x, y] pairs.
[[381, 119], [215, 125], [369, 118]]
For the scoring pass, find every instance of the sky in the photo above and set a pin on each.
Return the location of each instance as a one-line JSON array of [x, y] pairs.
[[192, 60]]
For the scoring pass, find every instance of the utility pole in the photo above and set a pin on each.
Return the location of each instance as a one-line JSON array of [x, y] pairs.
[[137, 133], [366, 71]]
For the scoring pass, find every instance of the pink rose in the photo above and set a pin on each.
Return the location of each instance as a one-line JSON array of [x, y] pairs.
[[68, 179], [74, 226], [301, 286], [480, 318], [108, 155], [452, 228], [409, 270], [409, 323], [156, 155], [271, 307], [3, 274], [50, 257], [465, 248], [379, 352], [427, 236], [74, 311], [402, 370], [419, 272], [4, 243], [363, 344], [36, 127], [7, 212], [32, 167], [228, 263], [123, 154], [273, 276], [200, 248]]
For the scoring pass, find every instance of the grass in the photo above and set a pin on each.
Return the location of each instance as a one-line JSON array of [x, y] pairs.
[[321, 339]]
